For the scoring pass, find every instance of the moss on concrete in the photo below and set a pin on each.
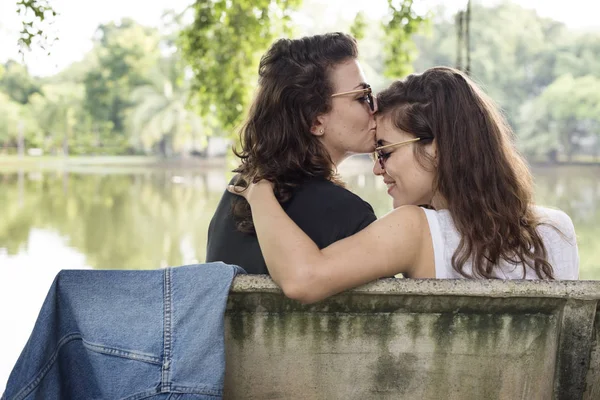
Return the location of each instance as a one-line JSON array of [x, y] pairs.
[[439, 344]]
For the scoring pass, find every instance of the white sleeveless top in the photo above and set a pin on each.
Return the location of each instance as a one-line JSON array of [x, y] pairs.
[[562, 251]]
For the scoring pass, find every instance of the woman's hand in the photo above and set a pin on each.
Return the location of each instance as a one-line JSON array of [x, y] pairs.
[[251, 192]]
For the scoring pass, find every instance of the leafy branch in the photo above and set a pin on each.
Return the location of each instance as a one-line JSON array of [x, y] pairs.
[[223, 46], [400, 49], [35, 13]]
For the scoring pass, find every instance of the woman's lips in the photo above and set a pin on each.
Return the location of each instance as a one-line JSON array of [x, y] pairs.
[[390, 186]]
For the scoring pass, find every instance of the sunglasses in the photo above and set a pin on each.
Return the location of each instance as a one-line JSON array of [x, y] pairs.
[[379, 155], [368, 96]]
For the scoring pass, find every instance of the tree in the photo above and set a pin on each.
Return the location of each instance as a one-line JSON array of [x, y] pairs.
[[399, 46], [17, 83], [575, 54], [563, 117], [17, 124], [223, 46], [359, 26], [160, 116], [513, 65], [60, 114], [9, 119], [126, 53]]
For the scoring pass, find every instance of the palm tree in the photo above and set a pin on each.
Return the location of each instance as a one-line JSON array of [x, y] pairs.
[[160, 117]]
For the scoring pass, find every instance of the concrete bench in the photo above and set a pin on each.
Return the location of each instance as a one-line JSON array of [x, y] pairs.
[[415, 339]]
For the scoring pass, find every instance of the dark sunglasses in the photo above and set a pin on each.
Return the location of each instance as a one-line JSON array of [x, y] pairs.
[[379, 155], [368, 95]]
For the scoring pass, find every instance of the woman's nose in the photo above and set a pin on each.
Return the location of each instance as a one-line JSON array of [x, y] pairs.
[[377, 169], [375, 106]]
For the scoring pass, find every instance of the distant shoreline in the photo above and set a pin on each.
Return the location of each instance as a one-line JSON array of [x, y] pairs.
[[58, 162]]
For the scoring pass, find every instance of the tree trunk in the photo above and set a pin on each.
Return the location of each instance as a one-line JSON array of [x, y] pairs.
[[65, 145], [67, 132], [468, 38], [21, 138], [163, 146], [96, 134], [552, 156], [459, 39]]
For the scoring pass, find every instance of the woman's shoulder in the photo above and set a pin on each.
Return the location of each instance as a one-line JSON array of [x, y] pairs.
[[558, 232], [320, 189], [409, 217], [409, 211], [555, 218]]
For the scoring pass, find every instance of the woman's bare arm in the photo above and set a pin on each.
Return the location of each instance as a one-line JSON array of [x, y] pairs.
[[395, 243]]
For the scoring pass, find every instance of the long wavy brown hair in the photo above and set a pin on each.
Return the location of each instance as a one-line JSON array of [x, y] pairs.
[[485, 181], [294, 88]]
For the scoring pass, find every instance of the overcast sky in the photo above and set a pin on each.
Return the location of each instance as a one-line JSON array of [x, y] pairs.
[[79, 19]]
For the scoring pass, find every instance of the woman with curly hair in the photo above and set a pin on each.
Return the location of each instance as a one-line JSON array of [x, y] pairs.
[[313, 108]]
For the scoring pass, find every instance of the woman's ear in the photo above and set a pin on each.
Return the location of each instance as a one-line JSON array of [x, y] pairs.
[[434, 152], [318, 126]]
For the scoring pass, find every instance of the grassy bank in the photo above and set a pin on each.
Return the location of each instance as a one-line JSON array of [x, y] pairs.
[[58, 162]]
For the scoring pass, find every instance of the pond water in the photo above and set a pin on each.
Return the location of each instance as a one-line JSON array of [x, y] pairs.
[[136, 218]]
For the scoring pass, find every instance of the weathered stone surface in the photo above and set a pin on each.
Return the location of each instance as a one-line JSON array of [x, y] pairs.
[[592, 389], [415, 339]]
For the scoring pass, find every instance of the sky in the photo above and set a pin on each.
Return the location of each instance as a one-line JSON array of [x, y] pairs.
[[78, 19]]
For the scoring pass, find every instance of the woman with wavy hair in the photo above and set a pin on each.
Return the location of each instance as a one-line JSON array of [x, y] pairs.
[[462, 195], [313, 109]]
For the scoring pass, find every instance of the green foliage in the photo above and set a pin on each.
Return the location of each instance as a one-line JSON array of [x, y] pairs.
[[113, 101], [16, 118], [9, 118], [359, 26], [564, 115], [399, 47], [17, 83], [515, 66], [126, 54], [160, 117], [16, 89], [77, 71], [62, 119], [33, 14], [223, 46]]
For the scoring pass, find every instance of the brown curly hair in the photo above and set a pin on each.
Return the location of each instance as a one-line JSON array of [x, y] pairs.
[[485, 181], [276, 141]]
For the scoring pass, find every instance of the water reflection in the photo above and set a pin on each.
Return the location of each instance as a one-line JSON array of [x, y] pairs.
[[144, 219], [134, 220]]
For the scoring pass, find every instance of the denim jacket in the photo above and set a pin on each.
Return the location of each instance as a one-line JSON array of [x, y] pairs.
[[128, 335]]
